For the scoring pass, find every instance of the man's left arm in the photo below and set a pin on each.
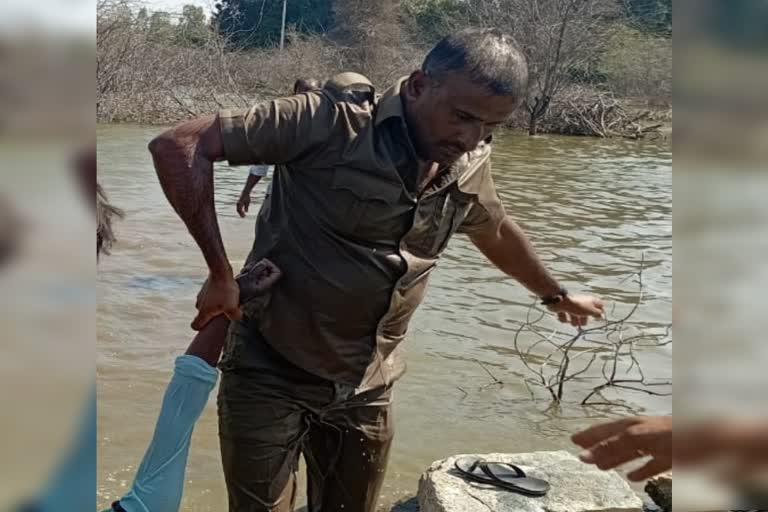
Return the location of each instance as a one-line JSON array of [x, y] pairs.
[[503, 242], [506, 245]]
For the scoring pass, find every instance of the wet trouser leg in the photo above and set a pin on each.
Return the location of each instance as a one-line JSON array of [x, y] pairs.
[[271, 411], [347, 451]]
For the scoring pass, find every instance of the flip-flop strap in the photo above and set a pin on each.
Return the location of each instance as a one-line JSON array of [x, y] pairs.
[[470, 470], [485, 469]]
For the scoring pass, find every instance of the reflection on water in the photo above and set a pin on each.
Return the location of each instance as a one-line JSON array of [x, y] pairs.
[[592, 208]]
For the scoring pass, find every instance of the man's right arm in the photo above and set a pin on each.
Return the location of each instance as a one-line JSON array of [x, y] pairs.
[[183, 158], [277, 131]]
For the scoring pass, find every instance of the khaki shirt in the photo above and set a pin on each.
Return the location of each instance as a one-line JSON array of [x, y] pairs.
[[355, 243]]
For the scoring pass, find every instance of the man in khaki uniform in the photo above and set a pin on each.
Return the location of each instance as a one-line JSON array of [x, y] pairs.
[[366, 201]]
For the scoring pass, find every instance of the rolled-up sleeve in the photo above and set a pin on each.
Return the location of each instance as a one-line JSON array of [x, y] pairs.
[[277, 131]]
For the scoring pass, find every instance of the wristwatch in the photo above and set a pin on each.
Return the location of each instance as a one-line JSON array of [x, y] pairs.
[[555, 298]]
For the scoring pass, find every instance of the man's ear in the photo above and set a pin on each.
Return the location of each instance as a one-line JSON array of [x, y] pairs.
[[416, 85]]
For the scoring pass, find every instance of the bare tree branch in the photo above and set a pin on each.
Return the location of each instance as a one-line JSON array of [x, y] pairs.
[[573, 358]]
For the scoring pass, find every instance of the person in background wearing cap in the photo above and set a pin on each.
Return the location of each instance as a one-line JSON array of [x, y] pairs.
[[257, 172]]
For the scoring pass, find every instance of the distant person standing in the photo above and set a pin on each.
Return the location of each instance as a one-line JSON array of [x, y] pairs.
[[257, 172]]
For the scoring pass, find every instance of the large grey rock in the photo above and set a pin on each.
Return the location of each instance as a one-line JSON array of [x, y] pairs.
[[576, 487], [660, 491]]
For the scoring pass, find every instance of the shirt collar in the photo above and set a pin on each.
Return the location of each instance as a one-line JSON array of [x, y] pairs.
[[391, 103]]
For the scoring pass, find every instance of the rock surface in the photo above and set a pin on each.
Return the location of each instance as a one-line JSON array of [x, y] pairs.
[[576, 487], [660, 491]]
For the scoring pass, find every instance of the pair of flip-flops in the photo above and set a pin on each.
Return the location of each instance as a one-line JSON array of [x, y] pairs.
[[501, 474]]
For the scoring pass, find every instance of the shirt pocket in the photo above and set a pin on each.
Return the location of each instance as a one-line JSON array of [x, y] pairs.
[[365, 206], [437, 219]]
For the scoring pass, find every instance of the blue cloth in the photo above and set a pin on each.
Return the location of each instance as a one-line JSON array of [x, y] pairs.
[[73, 485], [159, 483]]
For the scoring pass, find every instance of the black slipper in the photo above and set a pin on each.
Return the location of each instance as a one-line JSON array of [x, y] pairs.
[[500, 474], [513, 476], [469, 467]]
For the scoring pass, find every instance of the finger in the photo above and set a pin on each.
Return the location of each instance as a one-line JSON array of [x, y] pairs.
[[575, 320], [594, 311], [563, 317], [652, 468], [202, 319], [613, 452], [593, 435], [247, 204], [600, 305], [270, 265], [273, 271], [266, 281]]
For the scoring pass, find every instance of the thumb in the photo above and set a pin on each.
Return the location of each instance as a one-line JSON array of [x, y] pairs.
[[201, 320], [652, 468]]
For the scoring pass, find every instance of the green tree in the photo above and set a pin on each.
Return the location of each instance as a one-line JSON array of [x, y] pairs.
[[433, 19], [249, 23], [193, 29], [651, 15], [161, 30]]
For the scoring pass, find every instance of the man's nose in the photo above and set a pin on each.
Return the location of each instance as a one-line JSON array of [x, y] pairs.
[[473, 135]]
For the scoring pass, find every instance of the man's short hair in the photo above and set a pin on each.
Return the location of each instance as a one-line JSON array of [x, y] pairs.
[[305, 84], [488, 56]]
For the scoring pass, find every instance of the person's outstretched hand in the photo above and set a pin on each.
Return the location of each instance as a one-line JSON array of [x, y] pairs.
[[219, 295], [609, 445], [576, 309]]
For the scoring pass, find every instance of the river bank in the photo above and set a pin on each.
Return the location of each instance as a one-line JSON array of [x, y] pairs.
[[587, 113]]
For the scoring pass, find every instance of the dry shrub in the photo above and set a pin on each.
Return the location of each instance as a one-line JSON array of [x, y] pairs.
[[597, 113], [145, 80]]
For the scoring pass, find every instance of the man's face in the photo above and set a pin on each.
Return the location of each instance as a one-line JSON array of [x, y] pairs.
[[453, 117]]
